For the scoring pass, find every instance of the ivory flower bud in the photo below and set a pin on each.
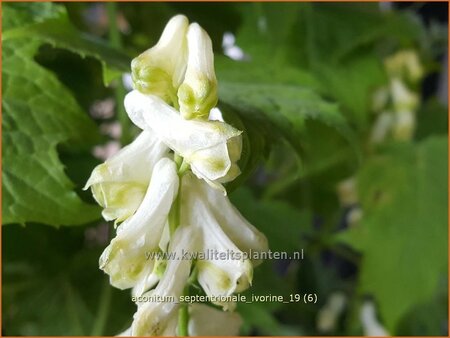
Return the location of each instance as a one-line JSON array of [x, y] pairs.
[[124, 260], [205, 145], [405, 64], [197, 94], [160, 70], [119, 184]]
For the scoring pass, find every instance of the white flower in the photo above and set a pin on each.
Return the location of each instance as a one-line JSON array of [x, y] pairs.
[[329, 314], [219, 276], [243, 234], [197, 94], [119, 184], [402, 97], [347, 192], [160, 70], [382, 126], [405, 64], [204, 320], [370, 323], [207, 321], [210, 147], [159, 318], [125, 258], [404, 125]]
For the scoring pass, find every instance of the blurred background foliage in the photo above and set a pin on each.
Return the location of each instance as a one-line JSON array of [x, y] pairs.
[[299, 79]]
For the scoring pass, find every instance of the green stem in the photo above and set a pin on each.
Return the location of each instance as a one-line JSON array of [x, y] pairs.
[[174, 223], [103, 310], [183, 168], [174, 98], [105, 301], [183, 317], [119, 90], [174, 214]]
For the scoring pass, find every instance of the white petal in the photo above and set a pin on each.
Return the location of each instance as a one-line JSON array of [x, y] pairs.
[[404, 126], [120, 183], [198, 93], [246, 237], [148, 281], [381, 127], [212, 163], [403, 98], [205, 320], [203, 144], [125, 258], [217, 276], [159, 318], [369, 321], [160, 70]]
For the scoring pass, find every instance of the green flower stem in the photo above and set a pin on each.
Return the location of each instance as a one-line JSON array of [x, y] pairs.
[[178, 160], [183, 317], [174, 214], [103, 310], [119, 90], [183, 168], [174, 98], [174, 222], [105, 301]]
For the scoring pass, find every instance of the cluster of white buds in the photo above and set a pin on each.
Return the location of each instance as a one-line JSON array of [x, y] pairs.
[[397, 103], [165, 193]]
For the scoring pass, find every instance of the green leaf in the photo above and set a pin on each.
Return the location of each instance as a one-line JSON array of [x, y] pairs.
[[290, 222], [53, 286], [350, 29], [277, 111], [428, 318], [38, 114], [266, 31], [432, 119], [352, 84], [283, 225], [59, 32], [403, 233], [287, 107], [256, 316]]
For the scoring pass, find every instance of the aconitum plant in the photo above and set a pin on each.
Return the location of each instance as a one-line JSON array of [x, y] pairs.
[[165, 193]]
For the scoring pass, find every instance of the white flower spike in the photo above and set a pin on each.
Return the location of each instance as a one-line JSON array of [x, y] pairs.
[[167, 202]]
